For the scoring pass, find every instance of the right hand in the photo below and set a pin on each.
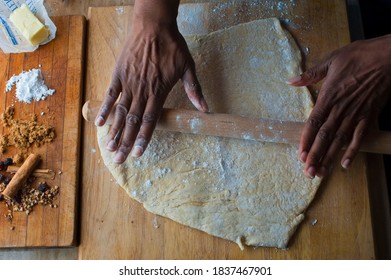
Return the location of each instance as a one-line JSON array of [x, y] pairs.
[[153, 59]]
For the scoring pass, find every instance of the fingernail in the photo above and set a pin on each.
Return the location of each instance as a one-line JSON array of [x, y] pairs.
[[303, 156], [294, 80], [99, 121], [119, 157], [137, 151], [111, 146], [311, 172], [346, 163]]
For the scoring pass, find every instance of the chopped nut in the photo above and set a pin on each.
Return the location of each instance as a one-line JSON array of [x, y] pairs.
[[29, 197]]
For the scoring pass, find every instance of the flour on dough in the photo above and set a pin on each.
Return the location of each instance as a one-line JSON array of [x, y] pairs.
[[245, 191]]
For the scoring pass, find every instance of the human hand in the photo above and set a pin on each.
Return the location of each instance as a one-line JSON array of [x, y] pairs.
[[357, 83], [154, 58]]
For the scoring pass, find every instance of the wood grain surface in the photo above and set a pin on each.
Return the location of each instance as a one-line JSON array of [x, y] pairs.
[[62, 63], [113, 226]]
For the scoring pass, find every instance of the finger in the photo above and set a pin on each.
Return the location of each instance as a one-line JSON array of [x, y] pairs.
[[317, 138], [352, 149], [131, 129], [315, 121], [149, 120], [341, 138], [193, 89], [319, 147], [111, 96], [121, 111], [311, 76], [323, 106]]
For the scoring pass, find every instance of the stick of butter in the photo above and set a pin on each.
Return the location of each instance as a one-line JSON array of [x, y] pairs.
[[29, 25]]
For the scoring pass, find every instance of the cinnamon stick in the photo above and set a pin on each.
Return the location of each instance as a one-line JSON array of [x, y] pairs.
[[21, 176], [38, 173]]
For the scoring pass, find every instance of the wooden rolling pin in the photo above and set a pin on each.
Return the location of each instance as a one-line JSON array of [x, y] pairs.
[[233, 126]]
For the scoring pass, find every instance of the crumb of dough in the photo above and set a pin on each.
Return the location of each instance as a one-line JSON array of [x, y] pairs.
[[23, 133]]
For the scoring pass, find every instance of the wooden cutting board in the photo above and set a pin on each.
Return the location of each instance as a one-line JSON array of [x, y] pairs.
[[62, 63], [338, 222]]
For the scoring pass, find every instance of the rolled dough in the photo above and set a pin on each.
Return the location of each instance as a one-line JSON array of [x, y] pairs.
[[245, 191]]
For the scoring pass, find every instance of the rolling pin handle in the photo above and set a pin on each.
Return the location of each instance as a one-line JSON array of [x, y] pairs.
[[91, 109]]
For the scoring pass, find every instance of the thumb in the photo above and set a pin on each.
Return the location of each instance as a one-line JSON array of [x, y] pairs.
[[311, 76], [193, 89]]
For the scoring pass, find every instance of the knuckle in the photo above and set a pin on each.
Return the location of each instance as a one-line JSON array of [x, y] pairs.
[[324, 135], [121, 110], [360, 130], [116, 72], [132, 120], [314, 157], [310, 74], [159, 90], [112, 93], [105, 110], [353, 150], [366, 114], [360, 133], [125, 148], [341, 138], [329, 95], [315, 122], [126, 144], [150, 118]]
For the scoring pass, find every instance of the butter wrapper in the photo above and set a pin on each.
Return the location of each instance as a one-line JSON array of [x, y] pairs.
[[11, 41]]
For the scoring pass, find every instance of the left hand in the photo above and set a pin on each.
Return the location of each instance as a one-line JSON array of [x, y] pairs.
[[357, 84]]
